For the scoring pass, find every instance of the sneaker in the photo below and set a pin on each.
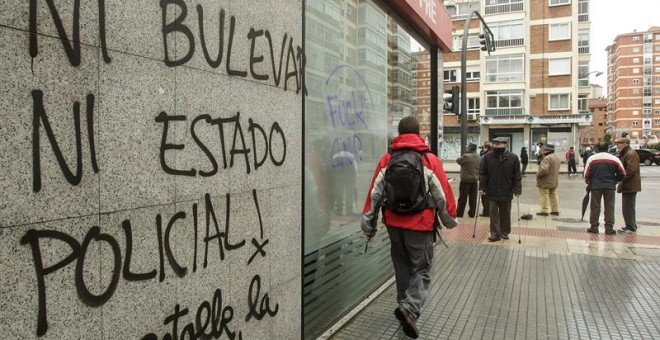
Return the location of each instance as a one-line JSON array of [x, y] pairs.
[[555, 213], [493, 238], [627, 231], [505, 236], [540, 213], [593, 231], [407, 322]]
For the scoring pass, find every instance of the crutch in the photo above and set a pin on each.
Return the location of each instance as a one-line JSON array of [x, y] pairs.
[[519, 231], [476, 215]]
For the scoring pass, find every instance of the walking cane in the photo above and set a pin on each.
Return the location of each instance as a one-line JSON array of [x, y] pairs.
[[519, 232], [476, 215]]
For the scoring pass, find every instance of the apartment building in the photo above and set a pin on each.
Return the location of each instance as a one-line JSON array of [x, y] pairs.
[[595, 132], [634, 85], [535, 86]]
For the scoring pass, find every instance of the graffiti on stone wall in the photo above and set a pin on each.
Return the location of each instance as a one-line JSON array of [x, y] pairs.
[[450, 148], [212, 317]]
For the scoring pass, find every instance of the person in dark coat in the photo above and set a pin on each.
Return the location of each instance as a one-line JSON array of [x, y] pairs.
[[524, 160], [601, 173], [631, 184], [499, 180], [484, 200], [468, 188], [570, 159]]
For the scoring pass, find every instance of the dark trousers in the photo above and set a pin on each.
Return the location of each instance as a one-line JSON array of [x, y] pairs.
[[524, 168], [500, 217], [412, 255], [628, 202], [467, 190], [608, 197], [572, 169], [484, 202]]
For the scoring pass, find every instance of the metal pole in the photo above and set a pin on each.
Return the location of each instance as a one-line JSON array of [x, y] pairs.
[[464, 100]]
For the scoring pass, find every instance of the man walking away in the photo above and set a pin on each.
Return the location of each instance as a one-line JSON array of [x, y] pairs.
[[468, 188], [631, 184], [484, 200], [601, 173], [585, 156], [524, 160], [570, 159], [547, 179], [411, 233], [499, 180]]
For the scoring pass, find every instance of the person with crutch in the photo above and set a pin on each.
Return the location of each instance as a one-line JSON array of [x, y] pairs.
[[468, 188], [499, 180], [411, 186]]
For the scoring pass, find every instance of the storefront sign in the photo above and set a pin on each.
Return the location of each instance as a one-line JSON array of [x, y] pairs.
[[545, 119], [430, 17]]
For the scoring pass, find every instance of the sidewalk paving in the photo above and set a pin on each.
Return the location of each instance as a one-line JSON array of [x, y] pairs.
[[558, 283]]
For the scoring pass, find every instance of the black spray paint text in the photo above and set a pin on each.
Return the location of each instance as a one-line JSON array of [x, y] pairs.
[[214, 237], [258, 136]]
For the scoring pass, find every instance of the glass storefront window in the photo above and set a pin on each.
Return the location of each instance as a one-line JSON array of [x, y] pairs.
[[360, 84]]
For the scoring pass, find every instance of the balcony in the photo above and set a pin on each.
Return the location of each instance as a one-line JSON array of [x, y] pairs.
[[505, 8], [583, 17], [510, 42], [504, 112], [583, 50]]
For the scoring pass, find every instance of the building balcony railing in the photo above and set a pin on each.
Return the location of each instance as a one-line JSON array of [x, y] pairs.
[[505, 8], [583, 17], [510, 42], [583, 50], [504, 112]]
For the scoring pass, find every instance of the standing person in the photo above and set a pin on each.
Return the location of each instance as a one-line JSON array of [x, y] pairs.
[[570, 159], [469, 163], [484, 199], [411, 233], [585, 156], [601, 174], [539, 152], [499, 180], [631, 184], [547, 179], [524, 160]]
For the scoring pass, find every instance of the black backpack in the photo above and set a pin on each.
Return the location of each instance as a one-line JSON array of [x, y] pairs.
[[405, 185]]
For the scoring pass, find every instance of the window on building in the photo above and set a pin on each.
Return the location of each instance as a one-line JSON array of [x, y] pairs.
[[472, 73], [504, 102], [473, 105], [559, 66], [504, 6], [462, 9], [636, 38], [635, 112], [656, 122], [559, 2], [657, 48], [508, 33], [583, 70], [656, 101], [473, 42], [559, 101], [657, 112], [583, 10], [635, 49], [635, 70], [583, 41], [635, 81], [635, 123], [635, 91], [505, 68], [635, 101], [449, 76], [635, 60], [561, 31]]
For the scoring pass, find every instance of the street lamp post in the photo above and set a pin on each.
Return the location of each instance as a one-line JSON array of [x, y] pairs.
[[489, 40]]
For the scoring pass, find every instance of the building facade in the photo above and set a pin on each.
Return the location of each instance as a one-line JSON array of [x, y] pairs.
[[634, 85], [534, 87], [594, 132]]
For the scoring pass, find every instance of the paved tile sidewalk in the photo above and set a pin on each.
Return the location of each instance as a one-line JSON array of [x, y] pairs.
[[558, 283]]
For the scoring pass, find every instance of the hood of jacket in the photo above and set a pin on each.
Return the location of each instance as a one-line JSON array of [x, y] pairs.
[[411, 141]]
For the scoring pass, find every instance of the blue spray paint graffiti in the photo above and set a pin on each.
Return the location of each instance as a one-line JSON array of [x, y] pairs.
[[345, 113]]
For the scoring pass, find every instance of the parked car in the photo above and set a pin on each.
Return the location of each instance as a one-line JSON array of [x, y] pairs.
[[648, 156]]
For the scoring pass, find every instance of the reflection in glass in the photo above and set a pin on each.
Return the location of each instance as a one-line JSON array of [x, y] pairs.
[[360, 81]]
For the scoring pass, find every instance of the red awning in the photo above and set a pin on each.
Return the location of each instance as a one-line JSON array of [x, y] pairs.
[[430, 18]]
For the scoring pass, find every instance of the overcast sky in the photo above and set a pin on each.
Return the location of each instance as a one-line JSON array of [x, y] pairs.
[[610, 18]]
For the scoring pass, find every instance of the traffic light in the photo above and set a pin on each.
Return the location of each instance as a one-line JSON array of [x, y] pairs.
[[452, 103], [486, 42]]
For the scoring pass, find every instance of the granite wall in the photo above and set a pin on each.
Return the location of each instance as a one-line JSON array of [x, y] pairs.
[[150, 169]]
